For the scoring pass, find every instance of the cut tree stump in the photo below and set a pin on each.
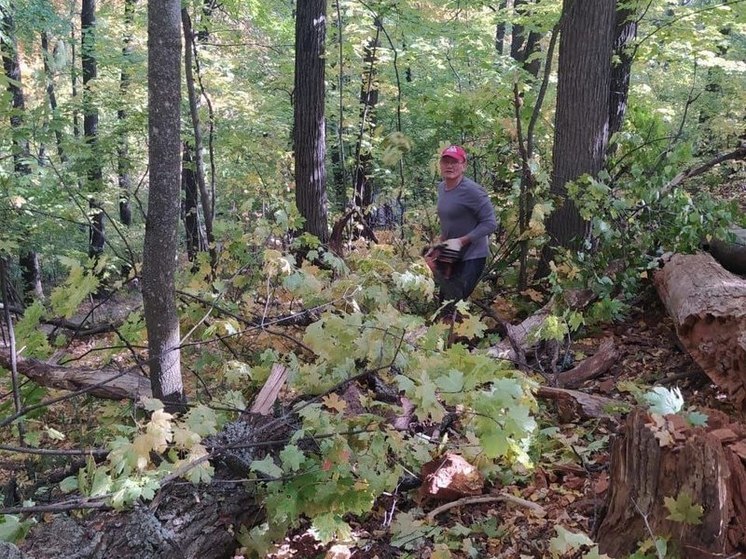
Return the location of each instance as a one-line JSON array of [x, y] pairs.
[[708, 307], [661, 457]]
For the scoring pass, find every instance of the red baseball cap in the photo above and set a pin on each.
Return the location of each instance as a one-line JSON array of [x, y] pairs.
[[457, 152]]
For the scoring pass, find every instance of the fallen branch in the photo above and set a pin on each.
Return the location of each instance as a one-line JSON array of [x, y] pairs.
[[588, 404], [486, 499], [592, 367]]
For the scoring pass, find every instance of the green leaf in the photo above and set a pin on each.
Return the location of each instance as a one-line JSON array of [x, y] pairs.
[[329, 527], [69, 484], [566, 541], [683, 509], [12, 529], [292, 457], [696, 418], [267, 467], [202, 420]]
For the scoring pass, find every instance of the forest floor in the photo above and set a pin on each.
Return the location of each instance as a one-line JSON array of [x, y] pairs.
[[570, 479]]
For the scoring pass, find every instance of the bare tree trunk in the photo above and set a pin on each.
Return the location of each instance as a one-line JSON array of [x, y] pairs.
[[309, 141], [161, 239], [582, 116], [51, 93], [96, 238], [362, 187], [28, 259], [198, 162], [123, 159]]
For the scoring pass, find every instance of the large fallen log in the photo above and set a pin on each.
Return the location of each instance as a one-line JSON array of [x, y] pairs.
[[106, 382], [671, 480], [708, 307]]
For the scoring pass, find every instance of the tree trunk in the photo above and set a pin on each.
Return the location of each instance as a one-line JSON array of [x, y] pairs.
[[161, 238], [652, 461], [309, 125], [582, 116], [708, 307], [362, 187], [198, 168], [625, 33], [51, 93], [123, 159], [96, 216], [28, 259], [523, 45], [194, 240]]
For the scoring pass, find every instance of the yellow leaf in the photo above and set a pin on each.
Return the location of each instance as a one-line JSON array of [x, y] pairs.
[[334, 402]]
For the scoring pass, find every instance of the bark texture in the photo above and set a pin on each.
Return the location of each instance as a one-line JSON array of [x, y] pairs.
[[708, 307], [582, 117], [654, 460], [309, 125], [161, 239]]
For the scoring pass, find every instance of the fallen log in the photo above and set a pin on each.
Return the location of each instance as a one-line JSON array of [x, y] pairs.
[[592, 367], [659, 461], [585, 405], [708, 307], [107, 382], [730, 253]]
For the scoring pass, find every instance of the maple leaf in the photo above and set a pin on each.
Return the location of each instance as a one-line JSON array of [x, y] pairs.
[[566, 541], [334, 402], [470, 327], [683, 509]]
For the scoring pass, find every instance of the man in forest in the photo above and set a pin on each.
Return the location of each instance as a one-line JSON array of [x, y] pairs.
[[467, 219]]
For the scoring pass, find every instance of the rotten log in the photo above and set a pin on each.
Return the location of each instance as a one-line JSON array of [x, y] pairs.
[[708, 307], [106, 382], [590, 368], [655, 458], [584, 405]]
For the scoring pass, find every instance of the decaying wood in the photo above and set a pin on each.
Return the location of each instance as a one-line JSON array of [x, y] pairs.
[[513, 347], [587, 405], [657, 459], [189, 523], [271, 390], [730, 253], [592, 367], [109, 383], [708, 307]]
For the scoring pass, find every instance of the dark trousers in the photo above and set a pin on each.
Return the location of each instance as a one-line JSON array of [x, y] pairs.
[[461, 281]]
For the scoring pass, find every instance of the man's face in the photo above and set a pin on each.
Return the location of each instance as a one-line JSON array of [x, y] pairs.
[[451, 168]]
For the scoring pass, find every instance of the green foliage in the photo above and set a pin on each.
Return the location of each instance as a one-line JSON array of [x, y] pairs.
[[13, 529], [682, 509]]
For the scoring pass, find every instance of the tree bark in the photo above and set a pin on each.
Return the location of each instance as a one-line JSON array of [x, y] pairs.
[[625, 33], [654, 460], [708, 307], [188, 523], [161, 238], [123, 159], [309, 126], [582, 116]]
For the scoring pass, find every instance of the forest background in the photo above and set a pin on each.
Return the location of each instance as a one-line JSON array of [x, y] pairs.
[[284, 165]]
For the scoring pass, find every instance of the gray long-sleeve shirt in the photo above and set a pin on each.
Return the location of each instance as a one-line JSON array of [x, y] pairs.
[[467, 210]]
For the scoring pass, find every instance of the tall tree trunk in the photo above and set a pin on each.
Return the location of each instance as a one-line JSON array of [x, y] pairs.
[[161, 239], [96, 215], [309, 140], [194, 239], [198, 168], [123, 159], [51, 92], [362, 187], [625, 33], [582, 116], [28, 259], [523, 45], [500, 29]]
